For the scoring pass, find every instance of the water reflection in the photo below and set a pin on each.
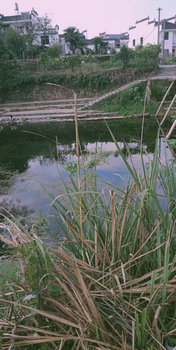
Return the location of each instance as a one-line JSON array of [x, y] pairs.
[[34, 160]]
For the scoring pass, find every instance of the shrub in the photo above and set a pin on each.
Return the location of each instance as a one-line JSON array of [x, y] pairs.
[[54, 51], [125, 55]]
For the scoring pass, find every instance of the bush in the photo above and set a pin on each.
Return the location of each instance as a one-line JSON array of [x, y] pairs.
[[54, 51], [146, 56], [125, 55]]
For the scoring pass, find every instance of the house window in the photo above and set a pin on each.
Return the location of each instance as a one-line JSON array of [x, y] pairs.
[[141, 41], [166, 36], [134, 42], [45, 40]]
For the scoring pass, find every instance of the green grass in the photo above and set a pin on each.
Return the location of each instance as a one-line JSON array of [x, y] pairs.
[[130, 108], [131, 100]]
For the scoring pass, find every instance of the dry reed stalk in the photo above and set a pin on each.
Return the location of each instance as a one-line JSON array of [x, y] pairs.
[[147, 98], [83, 241], [118, 285], [46, 314], [113, 224], [124, 219], [96, 248], [79, 174], [155, 321], [89, 299]]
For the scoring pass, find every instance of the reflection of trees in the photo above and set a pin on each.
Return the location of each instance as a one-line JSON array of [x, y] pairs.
[[28, 142], [21, 212], [7, 179], [9, 208]]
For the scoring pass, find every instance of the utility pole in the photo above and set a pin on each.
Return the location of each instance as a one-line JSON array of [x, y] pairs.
[[164, 27], [159, 13]]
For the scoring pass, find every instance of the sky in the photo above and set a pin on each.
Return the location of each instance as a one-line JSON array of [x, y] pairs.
[[95, 16]]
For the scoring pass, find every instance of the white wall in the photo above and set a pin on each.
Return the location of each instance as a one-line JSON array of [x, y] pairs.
[[168, 43], [148, 32]]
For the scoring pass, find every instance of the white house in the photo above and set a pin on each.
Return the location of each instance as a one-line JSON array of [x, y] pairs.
[[143, 32], [146, 32], [115, 41], [24, 22], [168, 38]]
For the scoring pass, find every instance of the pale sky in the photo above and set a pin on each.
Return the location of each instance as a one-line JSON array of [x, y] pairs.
[[97, 16]]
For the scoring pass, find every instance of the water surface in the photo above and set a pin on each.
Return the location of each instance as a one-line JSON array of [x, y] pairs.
[[33, 157]]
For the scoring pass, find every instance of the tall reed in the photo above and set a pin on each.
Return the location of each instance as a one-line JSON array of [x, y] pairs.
[[121, 295]]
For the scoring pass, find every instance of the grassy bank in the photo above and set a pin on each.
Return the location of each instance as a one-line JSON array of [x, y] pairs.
[[85, 83], [97, 75], [110, 284], [131, 100]]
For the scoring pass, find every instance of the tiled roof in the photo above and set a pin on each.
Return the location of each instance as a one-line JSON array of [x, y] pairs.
[[117, 36], [143, 19], [15, 18], [168, 25]]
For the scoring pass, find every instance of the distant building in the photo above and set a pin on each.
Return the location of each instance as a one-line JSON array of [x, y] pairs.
[[144, 32], [115, 41], [168, 38], [148, 32], [25, 22], [65, 46]]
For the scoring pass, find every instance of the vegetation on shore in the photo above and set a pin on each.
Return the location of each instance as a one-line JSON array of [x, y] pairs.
[[96, 75], [131, 100], [110, 284]]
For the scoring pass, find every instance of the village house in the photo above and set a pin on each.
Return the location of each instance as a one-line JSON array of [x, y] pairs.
[[168, 38], [64, 45], [115, 41], [144, 32], [25, 22], [150, 32]]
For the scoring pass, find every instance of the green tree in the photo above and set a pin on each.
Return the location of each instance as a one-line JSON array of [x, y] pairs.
[[125, 55], [44, 26], [9, 73], [5, 52], [75, 39], [15, 42], [101, 46], [43, 60], [54, 51]]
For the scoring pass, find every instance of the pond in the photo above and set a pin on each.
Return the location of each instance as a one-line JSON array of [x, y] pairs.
[[34, 156]]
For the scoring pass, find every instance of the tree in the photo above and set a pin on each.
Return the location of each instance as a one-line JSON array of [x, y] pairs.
[[15, 42], [31, 33], [54, 51], [75, 39], [5, 52], [101, 46], [125, 55], [43, 26]]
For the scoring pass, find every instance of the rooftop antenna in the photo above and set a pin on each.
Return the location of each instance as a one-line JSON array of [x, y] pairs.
[[16, 9]]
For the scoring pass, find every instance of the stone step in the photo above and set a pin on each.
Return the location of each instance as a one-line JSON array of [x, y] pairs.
[[41, 107], [36, 113], [89, 118], [45, 102], [40, 116]]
